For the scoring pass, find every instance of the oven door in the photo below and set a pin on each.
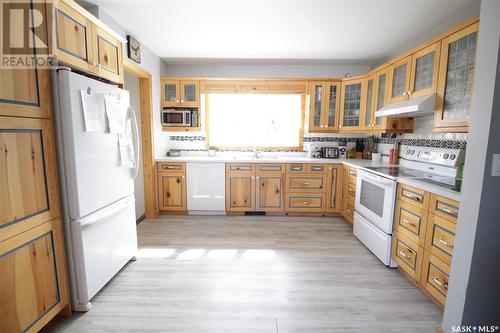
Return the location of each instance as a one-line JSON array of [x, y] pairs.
[[176, 118], [375, 198]]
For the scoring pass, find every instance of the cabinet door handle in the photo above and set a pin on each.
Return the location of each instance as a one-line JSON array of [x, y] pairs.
[[183, 177], [442, 241], [253, 177], [443, 285], [404, 254], [257, 177], [182, 101], [404, 93]]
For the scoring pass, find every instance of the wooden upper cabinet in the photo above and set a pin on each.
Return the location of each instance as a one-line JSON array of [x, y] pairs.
[[457, 67], [190, 92], [84, 42], [370, 108], [415, 75], [108, 55], [180, 93], [352, 104], [424, 71], [23, 92], [399, 80], [74, 37], [324, 106], [316, 111], [380, 97], [332, 107]]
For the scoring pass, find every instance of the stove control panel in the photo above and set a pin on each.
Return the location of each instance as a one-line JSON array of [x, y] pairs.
[[440, 156]]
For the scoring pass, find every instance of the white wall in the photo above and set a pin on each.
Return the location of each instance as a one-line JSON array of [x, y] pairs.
[[151, 63], [132, 85], [474, 287], [262, 68]]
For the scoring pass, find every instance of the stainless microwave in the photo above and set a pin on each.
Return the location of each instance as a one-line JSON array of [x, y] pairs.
[[179, 118]]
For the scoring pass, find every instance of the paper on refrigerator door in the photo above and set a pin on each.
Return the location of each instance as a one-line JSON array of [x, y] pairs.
[[126, 150], [93, 111], [116, 110]]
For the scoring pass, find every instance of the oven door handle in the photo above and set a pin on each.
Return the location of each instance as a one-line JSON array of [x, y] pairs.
[[375, 178]]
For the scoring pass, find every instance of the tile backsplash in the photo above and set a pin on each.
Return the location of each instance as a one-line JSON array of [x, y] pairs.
[[422, 136]]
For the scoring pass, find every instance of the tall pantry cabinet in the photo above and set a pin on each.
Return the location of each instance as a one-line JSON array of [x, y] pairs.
[[33, 273]]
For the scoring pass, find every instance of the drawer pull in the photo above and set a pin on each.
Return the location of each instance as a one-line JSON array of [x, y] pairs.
[[412, 197], [442, 241], [443, 285], [408, 221], [404, 254], [296, 168], [449, 211], [306, 183], [307, 203], [169, 168]]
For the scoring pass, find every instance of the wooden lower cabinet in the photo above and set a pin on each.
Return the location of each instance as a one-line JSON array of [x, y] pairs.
[[349, 177], [435, 277], [255, 187], [172, 189], [269, 192], [33, 278], [333, 202], [424, 238]]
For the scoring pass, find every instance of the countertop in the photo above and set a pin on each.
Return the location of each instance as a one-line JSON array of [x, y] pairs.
[[353, 162]]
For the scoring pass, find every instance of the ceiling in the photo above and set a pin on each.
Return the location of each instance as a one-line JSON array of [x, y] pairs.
[[340, 30]]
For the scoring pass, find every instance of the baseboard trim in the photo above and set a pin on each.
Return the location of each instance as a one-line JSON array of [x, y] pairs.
[[140, 219]]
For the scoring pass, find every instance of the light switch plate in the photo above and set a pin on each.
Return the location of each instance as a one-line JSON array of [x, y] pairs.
[[495, 166]]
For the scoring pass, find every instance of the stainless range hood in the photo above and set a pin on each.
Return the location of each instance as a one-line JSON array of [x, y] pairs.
[[415, 107]]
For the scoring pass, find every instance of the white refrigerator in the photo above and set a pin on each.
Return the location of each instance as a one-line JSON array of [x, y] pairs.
[[97, 191]]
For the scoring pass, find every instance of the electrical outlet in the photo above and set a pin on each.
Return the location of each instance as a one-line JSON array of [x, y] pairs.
[[495, 165]]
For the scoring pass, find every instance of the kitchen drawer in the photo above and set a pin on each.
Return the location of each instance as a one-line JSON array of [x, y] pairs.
[[177, 167], [411, 221], [435, 276], [240, 167], [351, 189], [444, 208], [408, 255], [349, 210], [304, 202], [316, 168], [352, 175], [440, 238], [306, 182], [270, 168], [413, 195], [296, 168]]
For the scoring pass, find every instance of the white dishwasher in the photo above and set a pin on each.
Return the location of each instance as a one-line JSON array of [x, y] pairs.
[[206, 188]]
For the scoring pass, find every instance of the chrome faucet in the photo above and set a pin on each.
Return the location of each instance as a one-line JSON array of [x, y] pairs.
[[255, 152]]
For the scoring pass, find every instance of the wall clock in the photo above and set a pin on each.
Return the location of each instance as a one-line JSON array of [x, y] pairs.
[[134, 49]]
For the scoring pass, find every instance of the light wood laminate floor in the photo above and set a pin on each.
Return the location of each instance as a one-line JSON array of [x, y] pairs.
[[197, 274]]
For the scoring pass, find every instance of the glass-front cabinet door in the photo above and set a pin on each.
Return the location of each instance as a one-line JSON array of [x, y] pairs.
[[170, 93], [370, 103], [315, 113], [324, 106], [380, 95], [424, 71], [399, 80], [458, 57], [352, 105], [189, 93], [332, 106]]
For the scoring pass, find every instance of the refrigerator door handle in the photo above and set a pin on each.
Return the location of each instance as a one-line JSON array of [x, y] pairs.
[[137, 141], [105, 214]]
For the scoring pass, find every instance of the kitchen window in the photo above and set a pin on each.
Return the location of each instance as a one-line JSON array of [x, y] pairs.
[[255, 120]]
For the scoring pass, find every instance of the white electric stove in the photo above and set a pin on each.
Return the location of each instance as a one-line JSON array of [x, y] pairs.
[[376, 192]]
